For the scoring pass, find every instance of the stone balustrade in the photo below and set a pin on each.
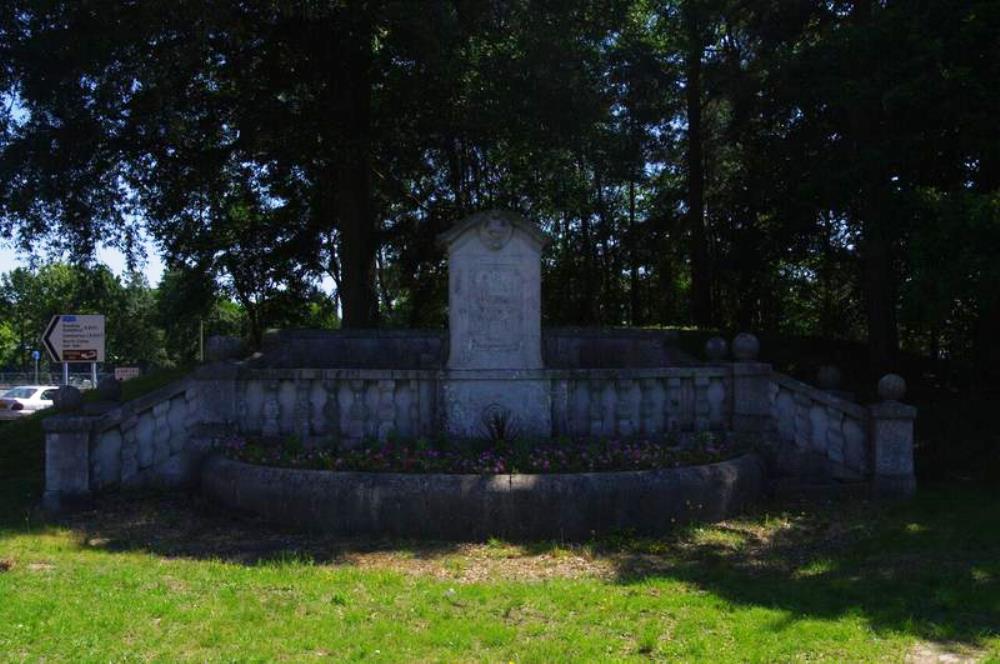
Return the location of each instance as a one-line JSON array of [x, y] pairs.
[[813, 424], [140, 443], [633, 402], [337, 404], [818, 433], [351, 405], [811, 432]]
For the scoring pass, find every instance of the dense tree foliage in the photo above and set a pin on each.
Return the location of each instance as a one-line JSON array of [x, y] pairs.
[[811, 167], [150, 327]]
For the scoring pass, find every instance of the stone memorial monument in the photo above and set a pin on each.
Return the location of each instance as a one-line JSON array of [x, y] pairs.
[[494, 368]]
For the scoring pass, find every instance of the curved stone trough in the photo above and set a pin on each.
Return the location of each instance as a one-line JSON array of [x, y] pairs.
[[472, 507]]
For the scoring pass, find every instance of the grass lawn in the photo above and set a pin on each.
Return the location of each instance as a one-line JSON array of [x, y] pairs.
[[166, 577]]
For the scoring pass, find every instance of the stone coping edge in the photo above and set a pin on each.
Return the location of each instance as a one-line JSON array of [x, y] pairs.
[[686, 371], [78, 422], [571, 506], [854, 409]]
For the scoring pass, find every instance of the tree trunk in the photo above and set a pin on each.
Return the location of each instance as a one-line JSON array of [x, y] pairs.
[[635, 302], [701, 288], [880, 296], [352, 170], [876, 209]]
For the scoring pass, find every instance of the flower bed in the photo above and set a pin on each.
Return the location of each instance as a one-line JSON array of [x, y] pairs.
[[488, 457]]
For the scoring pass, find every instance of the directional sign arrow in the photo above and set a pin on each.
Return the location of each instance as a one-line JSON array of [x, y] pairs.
[[52, 339], [75, 338]]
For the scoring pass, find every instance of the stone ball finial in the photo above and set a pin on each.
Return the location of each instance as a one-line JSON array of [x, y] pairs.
[[716, 349], [109, 389], [891, 387], [745, 347], [68, 399], [828, 377]]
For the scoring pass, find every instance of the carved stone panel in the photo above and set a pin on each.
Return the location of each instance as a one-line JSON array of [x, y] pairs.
[[494, 293]]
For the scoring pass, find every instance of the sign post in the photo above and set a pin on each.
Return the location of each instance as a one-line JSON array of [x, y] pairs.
[[73, 339], [36, 355]]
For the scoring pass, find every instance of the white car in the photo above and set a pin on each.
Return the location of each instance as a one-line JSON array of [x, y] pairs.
[[23, 401]]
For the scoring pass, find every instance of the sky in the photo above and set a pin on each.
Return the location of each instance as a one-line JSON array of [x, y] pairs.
[[152, 267], [114, 259]]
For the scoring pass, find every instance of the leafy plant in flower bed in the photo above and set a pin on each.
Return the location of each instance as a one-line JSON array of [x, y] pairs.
[[561, 455]]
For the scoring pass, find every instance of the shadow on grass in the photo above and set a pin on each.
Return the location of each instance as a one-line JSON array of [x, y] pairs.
[[929, 568]]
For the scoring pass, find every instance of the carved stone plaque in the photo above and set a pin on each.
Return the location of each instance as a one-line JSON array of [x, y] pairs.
[[494, 293], [497, 308]]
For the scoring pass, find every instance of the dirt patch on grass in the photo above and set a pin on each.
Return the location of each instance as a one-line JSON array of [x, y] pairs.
[[180, 527], [928, 652], [177, 526]]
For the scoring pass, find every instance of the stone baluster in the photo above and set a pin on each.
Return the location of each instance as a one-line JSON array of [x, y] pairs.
[[416, 429], [560, 407], [597, 408], [271, 426], [802, 431], [386, 409], [818, 429], [891, 427], [784, 415], [358, 411], [243, 422], [701, 406], [303, 409], [647, 406], [673, 404], [686, 412], [623, 407], [716, 397], [317, 403], [835, 442], [331, 408]]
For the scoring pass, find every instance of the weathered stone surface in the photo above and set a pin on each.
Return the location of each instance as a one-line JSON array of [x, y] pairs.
[[177, 422], [494, 293], [892, 387], [751, 404], [892, 446], [471, 507], [144, 439], [494, 313], [746, 347], [106, 459], [67, 461], [474, 405]]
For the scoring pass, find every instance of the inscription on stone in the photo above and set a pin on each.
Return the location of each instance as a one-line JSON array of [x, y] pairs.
[[494, 266], [494, 299], [497, 308]]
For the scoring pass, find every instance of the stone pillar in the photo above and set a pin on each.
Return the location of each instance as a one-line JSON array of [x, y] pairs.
[[67, 462], [891, 437], [751, 382]]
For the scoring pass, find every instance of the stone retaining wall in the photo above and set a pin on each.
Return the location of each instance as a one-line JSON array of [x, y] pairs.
[[471, 507]]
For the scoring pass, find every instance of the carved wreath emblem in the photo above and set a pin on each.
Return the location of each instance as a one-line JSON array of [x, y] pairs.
[[495, 231]]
